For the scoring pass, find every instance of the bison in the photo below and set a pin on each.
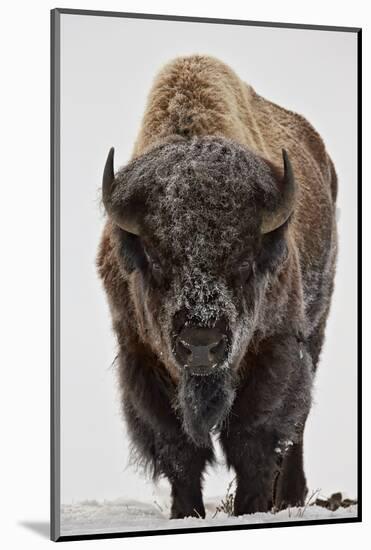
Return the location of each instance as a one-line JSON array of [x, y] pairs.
[[218, 259]]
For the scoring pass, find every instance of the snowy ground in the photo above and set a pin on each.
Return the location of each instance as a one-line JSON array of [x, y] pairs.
[[129, 515]]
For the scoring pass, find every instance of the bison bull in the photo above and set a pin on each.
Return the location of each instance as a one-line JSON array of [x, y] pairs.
[[218, 259]]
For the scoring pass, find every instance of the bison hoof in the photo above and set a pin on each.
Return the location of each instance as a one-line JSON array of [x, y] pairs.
[[196, 512], [244, 506], [290, 497]]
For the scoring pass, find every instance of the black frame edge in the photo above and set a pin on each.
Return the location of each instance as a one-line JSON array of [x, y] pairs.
[[213, 529], [359, 271], [214, 20], [55, 279], [54, 275]]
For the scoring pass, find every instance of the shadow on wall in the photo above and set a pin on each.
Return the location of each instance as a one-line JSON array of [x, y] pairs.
[[42, 528]]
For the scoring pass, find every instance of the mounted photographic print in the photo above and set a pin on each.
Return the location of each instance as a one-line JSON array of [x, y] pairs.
[[205, 268]]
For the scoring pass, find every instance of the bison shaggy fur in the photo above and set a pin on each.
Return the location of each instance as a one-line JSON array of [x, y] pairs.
[[218, 259]]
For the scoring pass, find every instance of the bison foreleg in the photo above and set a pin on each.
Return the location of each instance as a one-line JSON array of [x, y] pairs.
[[183, 464], [186, 499], [253, 460], [266, 422], [166, 451], [291, 489]]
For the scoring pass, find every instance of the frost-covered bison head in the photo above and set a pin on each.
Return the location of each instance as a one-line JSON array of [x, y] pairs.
[[199, 229]]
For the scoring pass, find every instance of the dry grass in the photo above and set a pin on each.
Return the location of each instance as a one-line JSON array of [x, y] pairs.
[[332, 503], [309, 502], [227, 503]]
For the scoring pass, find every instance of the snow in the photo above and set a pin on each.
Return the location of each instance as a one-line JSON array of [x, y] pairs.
[[120, 515]]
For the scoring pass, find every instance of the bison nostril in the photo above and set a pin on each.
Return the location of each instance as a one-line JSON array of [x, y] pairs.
[[218, 348], [200, 348]]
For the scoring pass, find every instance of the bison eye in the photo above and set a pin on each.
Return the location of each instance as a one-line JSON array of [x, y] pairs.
[[156, 271], [245, 272], [154, 266]]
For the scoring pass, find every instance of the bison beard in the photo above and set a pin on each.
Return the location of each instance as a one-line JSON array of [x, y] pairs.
[[204, 403]]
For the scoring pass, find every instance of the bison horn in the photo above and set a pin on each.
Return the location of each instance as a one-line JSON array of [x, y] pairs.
[[108, 179], [273, 220], [118, 215]]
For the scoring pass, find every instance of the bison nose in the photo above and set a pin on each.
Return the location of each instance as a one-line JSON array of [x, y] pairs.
[[201, 349]]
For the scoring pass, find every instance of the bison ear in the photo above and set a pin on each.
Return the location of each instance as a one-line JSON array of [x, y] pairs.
[[273, 219], [122, 216]]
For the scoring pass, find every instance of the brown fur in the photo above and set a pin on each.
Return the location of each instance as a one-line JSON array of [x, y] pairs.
[[200, 95]]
